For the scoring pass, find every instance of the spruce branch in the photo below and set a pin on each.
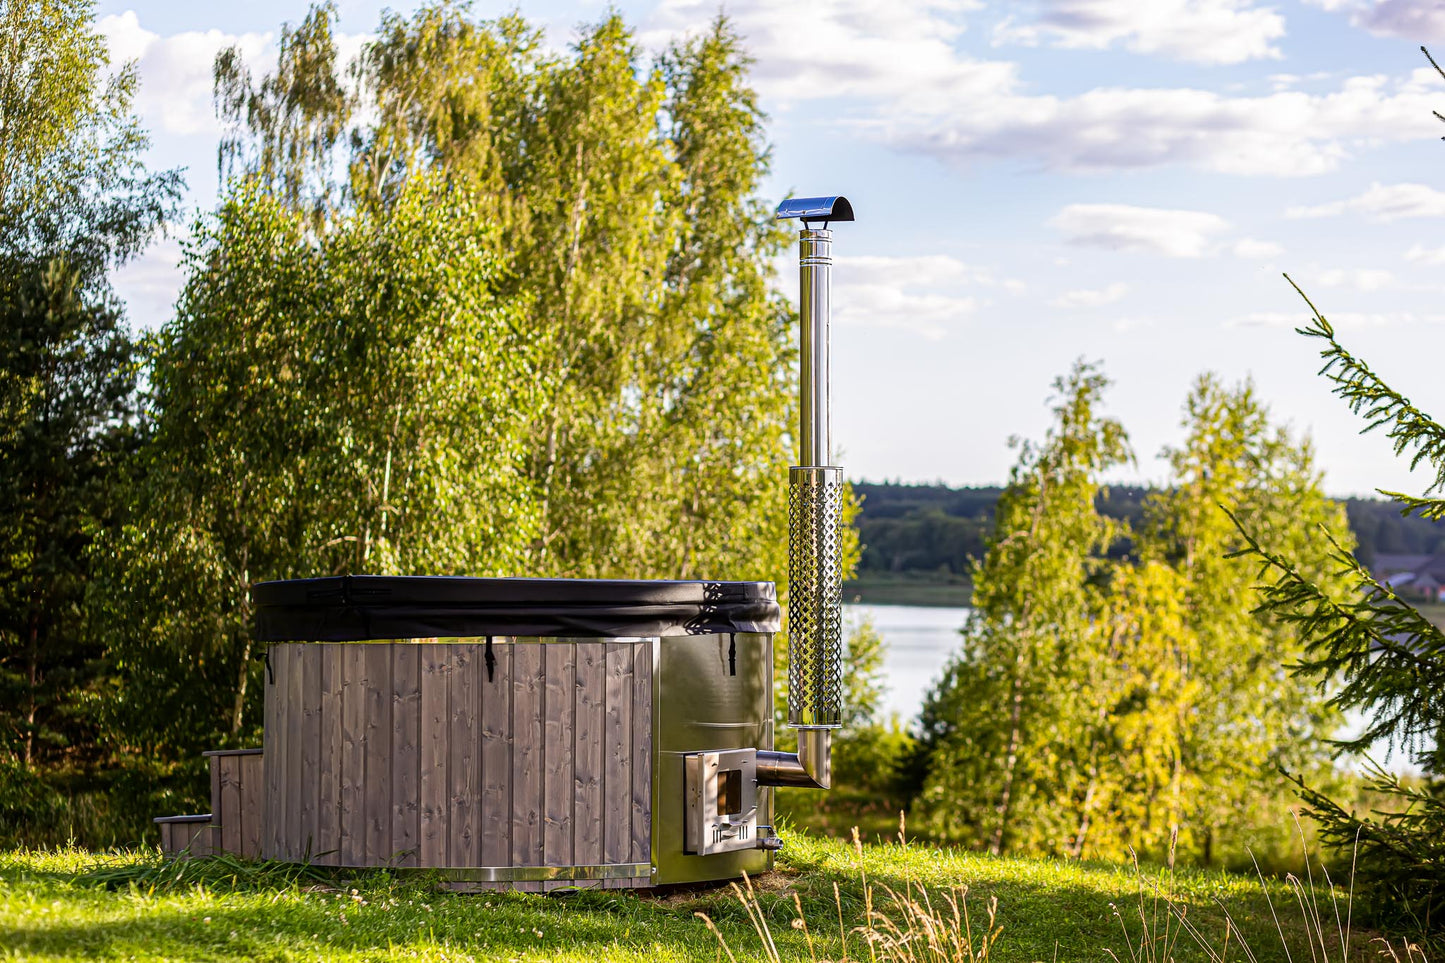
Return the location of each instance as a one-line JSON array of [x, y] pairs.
[[1381, 649], [1399, 852], [1407, 427], [1428, 508]]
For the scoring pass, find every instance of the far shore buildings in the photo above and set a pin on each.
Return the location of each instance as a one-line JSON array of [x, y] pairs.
[[1413, 576]]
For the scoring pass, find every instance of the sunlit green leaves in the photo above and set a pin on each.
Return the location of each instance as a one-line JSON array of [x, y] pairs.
[[1115, 691]]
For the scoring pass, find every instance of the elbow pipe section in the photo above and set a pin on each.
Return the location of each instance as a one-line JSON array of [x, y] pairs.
[[811, 767]]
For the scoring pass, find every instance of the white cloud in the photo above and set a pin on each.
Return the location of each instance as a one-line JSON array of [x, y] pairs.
[[886, 306], [1091, 297], [1288, 133], [929, 295], [175, 71], [1248, 247], [1420, 254], [1360, 279], [1203, 31], [909, 86], [1382, 202], [840, 48], [929, 270], [1414, 20], [1122, 227], [149, 284]]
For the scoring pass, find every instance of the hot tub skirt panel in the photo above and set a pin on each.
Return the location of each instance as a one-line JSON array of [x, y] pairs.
[[532, 773]]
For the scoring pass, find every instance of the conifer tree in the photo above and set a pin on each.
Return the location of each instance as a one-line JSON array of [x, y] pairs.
[[76, 200], [1374, 654]]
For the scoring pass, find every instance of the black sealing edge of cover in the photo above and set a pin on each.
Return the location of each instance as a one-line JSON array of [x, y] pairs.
[[340, 613], [422, 589]]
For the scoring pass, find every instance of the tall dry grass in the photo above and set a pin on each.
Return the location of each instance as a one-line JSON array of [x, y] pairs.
[[914, 925], [917, 924], [1324, 914]]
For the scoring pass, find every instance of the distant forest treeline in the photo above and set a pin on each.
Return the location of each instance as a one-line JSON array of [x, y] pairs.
[[936, 530]]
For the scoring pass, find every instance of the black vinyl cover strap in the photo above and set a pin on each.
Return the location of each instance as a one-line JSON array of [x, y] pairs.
[[355, 608]]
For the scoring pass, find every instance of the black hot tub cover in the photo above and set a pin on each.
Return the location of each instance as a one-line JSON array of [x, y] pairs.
[[355, 608]]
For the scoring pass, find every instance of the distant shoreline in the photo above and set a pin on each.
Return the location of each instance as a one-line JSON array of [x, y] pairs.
[[885, 590]]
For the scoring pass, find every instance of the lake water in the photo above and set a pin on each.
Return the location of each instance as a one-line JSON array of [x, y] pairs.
[[918, 640]]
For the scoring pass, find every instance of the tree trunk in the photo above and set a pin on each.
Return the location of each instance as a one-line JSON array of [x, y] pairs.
[[1077, 850], [1016, 712], [243, 673], [33, 655]]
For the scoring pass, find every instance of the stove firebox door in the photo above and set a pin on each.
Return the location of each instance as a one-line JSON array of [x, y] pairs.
[[722, 801]]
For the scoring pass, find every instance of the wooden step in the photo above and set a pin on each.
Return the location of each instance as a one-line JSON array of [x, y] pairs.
[[186, 837]]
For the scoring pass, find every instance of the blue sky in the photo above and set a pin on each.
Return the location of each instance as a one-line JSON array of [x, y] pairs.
[[1035, 182]]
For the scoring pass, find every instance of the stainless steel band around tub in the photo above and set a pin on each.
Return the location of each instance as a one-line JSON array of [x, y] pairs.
[[815, 597], [538, 874]]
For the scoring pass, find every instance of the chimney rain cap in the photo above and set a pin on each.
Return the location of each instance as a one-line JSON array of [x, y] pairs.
[[834, 207]]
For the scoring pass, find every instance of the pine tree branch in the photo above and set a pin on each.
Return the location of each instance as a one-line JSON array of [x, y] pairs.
[[1428, 508], [1387, 653], [1407, 427]]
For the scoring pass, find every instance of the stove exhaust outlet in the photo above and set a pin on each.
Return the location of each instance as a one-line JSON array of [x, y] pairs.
[[815, 514]]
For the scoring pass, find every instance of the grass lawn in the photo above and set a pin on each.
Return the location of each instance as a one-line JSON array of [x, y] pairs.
[[74, 905]]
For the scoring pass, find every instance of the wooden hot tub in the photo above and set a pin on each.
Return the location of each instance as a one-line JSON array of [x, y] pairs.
[[526, 733]]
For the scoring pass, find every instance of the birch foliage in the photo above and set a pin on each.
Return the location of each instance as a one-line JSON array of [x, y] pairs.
[[1115, 692], [470, 306]]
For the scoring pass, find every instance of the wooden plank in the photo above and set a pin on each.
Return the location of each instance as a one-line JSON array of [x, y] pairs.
[[496, 814], [200, 839], [226, 770], [617, 781], [274, 754], [217, 812], [351, 809], [308, 785], [432, 808], [327, 850], [293, 722], [464, 770], [296, 774], [642, 752], [559, 711], [405, 755], [281, 663], [527, 762], [253, 818], [587, 754], [376, 783]]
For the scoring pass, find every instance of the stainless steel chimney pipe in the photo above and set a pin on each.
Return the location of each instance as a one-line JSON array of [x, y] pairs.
[[815, 516]]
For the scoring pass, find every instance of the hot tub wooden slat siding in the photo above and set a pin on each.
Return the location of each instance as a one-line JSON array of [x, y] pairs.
[[464, 769], [558, 788], [329, 752], [528, 682], [590, 710], [496, 813], [407, 754]]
